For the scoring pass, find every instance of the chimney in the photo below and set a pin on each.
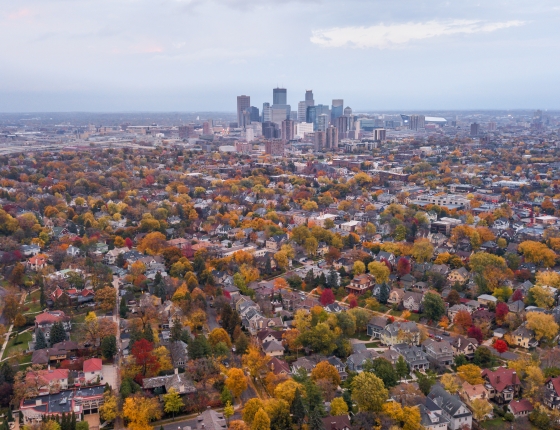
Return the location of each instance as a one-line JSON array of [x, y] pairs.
[[176, 371]]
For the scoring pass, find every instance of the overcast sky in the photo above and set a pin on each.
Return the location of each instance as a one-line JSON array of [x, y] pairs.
[[186, 55]]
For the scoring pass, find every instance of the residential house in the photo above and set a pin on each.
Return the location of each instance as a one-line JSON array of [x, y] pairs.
[[399, 332], [502, 384], [274, 243], [49, 380], [37, 262], [486, 299], [278, 367], [412, 301], [455, 309], [360, 284], [179, 351], [450, 406], [520, 408], [340, 422], [524, 337], [552, 393], [273, 348], [413, 355], [355, 362], [375, 326], [45, 321], [432, 420], [458, 275], [93, 371], [464, 345], [211, 420], [179, 381], [395, 296], [439, 353], [471, 393]]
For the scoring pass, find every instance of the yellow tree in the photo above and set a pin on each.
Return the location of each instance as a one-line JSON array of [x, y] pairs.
[[287, 390], [325, 370], [219, 335], [422, 250], [236, 382], [261, 420], [251, 408], [282, 260], [450, 383], [172, 402], [537, 253], [359, 267], [543, 296], [481, 408], [106, 297], [339, 407], [542, 324], [411, 418], [470, 373], [548, 278], [108, 410], [254, 361], [163, 357], [380, 271], [152, 243], [139, 411]]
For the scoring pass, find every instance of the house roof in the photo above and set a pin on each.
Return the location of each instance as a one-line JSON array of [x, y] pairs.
[[93, 365], [523, 405], [340, 422], [501, 378]]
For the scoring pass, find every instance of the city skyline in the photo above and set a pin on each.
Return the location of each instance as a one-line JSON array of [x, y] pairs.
[[184, 55]]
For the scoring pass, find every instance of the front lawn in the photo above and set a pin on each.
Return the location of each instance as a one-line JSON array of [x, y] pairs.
[[17, 345], [32, 303], [373, 344], [361, 336]]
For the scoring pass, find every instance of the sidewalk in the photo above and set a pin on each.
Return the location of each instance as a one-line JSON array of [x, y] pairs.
[[9, 333]]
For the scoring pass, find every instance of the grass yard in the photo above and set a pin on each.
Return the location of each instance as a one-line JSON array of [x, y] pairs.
[[395, 313], [372, 344], [33, 302], [415, 317], [22, 345], [361, 336]]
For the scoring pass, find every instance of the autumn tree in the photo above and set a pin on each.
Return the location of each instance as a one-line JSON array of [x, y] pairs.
[[152, 243], [236, 382], [481, 409], [537, 253], [106, 297], [327, 297], [254, 361], [380, 271], [139, 411], [463, 320], [142, 351], [251, 408], [542, 324], [368, 392], [219, 335], [470, 373], [339, 407], [108, 410], [359, 267], [261, 421], [542, 296], [434, 307], [172, 402], [422, 250], [325, 370], [450, 383]]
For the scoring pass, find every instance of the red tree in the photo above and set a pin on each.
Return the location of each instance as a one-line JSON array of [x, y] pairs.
[[352, 301], [501, 311], [476, 333], [386, 262], [517, 295], [143, 356], [463, 319], [327, 297], [128, 242], [403, 267], [500, 346]]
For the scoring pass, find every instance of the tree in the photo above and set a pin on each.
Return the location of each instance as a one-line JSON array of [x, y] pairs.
[[40, 342], [368, 392], [359, 268], [332, 278], [11, 306], [401, 368], [501, 311], [241, 343], [236, 382], [261, 421], [172, 402], [108, 410], [106, 297], [152, 243], [200, 348], [422, 250], [176, 330], [18, 272], [251, 408], [463, 320], [142, 351], [403, 266], [542, 296], [380, 271], [384, 370], [411, 418], [327, 297], [279, 413], [542, 324], [254, 361], [140, 410], [297, 408], [450, 383], [361, 316], [123, 309], [426, 381], [384, 292], [219, 335], [339, 407], [537, 253], [500, 346], [109, 346], [481, 408], [325, 370], [476, 333], [57, 333], [453, 298], [288, 390], [470, 373], [535, 380], [228, 411], [434, 307]]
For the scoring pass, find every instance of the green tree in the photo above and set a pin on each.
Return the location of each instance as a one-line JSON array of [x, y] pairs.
[[297, 409], [384, 370], [176, 330], [123, 309], [228, 411], [434, 307], [109, 346], [57, 333], [426, 381], [401, 367], [40, 342], [200, 348], [384, 291]]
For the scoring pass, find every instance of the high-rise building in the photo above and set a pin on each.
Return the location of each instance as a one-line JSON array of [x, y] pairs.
[[311, 115], [303, 128], [243, 103], [270, 130], [279, 96], [337, 109], [491, 126], [275, 148], [322, 122], [348, 110], [254, 114], [309, 98], [417, 122], [302, 111], [288, 130], [266, 112], [475, 129], [186, 131], [380, 134], [343, 125], [320, 140], [207, 128], [332, 138], [277, 115]]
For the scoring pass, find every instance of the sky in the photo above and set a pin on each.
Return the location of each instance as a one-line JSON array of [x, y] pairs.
[[198, 55]]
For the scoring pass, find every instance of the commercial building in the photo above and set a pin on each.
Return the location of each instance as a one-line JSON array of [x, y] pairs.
[[279, 96], [275, 148], [243, 104], [337, 109], [332, 138], [475, 129], [288, 130]]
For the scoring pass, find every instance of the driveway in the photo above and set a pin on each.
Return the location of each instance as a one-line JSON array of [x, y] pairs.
[[110, 375]]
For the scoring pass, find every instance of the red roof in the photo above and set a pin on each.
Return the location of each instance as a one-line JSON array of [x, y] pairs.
[[555, 383], [522, 405], [93, 365], [49, 375], [501, 378], [49, 317]]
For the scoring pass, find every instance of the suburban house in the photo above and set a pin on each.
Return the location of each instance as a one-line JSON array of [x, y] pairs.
[[464, 345], [399, 332], [360, 284], [503, 384], [450, 406], [375, 326], [524, 337], [274, 243], [46, 320], [432, 420], [458, 275], [552, 393], [179, 381], [520, 408], [412, 301], [413, 355], [93, 371], [341, 422], [356, 361], [395, 296], [439, 353]]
